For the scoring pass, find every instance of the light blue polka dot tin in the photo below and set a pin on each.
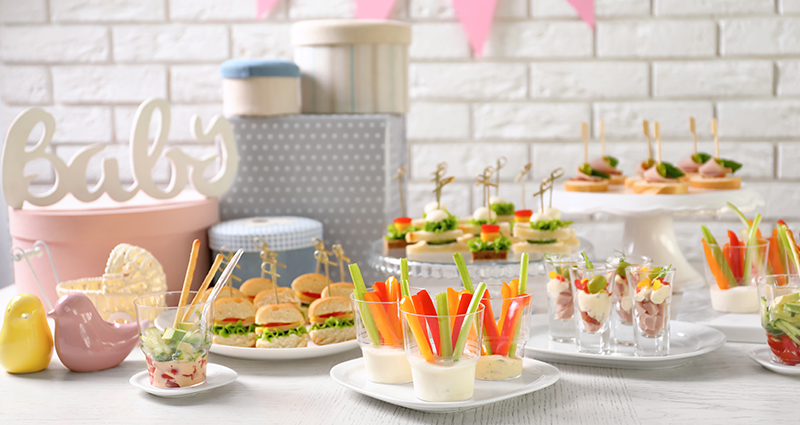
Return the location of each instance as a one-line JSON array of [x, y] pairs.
[[290, 237]]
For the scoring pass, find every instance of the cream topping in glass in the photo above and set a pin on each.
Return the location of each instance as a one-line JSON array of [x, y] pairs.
[[443, 380], [596, 305], [386, 365], [556, 286]]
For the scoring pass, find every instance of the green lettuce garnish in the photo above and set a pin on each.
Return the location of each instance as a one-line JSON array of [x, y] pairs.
[[481, 222], [501, 208], [232, 329], [549, 225], [446, 225], [727, 163], [543, 241], [333, 322], [611, 161], [395, 234], [669, 171], [589, 171], [700, 158], [502, 243], [271, 335]]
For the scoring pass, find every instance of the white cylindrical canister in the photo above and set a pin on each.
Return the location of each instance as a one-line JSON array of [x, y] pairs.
[[352, 66], [260, 87]]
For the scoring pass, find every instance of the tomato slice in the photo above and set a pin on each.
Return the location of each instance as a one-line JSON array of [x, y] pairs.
[[325, 316], [275, 325], [311, 295], [231, 320]]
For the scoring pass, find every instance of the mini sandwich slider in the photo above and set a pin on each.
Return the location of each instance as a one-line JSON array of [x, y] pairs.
[[233, 322], [331, 320], [341, 289], [309, 287], [280, 326], [267, 297], [226, 292], [251, 287], [439, 240]]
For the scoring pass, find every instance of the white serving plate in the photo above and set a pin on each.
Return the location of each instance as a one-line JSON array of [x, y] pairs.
[[687, 341], [216, 376], [312, 351], [763, 356], [535, 376]]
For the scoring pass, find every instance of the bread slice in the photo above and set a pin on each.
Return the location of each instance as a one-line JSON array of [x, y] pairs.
[[586, 186], [524, 231], [333, 335], [421, 251], [630, 181], [719, 183], [395, 244], [536, 251], [489, 255], [291, 341], [475, 229], [647, 188], [248, 340], [421, 235], [617, 179]]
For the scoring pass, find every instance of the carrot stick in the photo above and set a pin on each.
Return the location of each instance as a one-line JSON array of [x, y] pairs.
[[385, 327], [463, 304], [505, 292], [381, 291], [715, 270], [775, 262], [421, 337], [452, 305], [489, 325]]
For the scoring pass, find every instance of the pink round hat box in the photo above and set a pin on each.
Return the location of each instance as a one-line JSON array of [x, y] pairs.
[[82, 235]]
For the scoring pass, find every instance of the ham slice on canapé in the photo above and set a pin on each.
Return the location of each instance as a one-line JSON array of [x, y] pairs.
[[713, 169], [651, 175], [687, 165], [601, 165]]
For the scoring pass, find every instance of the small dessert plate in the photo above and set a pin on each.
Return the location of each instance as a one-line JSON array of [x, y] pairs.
[[687, 341], [535, 376], [310, 352], [216, 376], [763, 356]]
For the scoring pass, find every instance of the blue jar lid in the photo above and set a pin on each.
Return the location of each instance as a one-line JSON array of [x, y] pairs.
[[280, 233], [246, 68]]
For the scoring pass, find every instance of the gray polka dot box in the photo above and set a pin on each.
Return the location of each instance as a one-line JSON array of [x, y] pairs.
[[333, 168]]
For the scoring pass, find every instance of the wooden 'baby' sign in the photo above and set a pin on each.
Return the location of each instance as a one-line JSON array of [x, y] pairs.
[[71, 178]]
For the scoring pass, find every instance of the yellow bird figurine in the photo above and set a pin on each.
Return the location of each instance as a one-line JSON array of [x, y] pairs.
[[26, 343]]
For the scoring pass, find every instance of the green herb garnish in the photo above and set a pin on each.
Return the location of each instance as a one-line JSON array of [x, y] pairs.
[[700, 158], [669, 171], [610, 160], [589, 171], [446, 225], [501, 208], [440, 242], [395, 234], [502, 243], [649, 162], [232, 329], [333, 322], [586, 260], [732, 165]]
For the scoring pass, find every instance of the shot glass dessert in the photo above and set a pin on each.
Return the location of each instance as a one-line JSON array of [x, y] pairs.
[[560, 305], [443, 348], [651, 287], [177, 355], [379, 333], [622, 325], [506, 324], [593, 288], [780, 316]]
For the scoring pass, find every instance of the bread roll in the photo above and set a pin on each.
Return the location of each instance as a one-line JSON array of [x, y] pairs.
[[248, 340], [267, 297], [290, 341], [341, 289], [326, 306], [234, 308], [309, 286], [333, 335], [289, 314], [647, 188], [251, 287], [586, 186]]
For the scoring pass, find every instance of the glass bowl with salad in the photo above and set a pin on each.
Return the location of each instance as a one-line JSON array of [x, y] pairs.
[[779, 296], [175, 340]]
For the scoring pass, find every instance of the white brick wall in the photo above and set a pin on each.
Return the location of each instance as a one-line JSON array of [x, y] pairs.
[[91, 62]]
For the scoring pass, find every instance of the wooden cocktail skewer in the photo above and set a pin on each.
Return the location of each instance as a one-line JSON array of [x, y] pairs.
[[187, 282], [658, 140], [646, 127], [554, 175], [541, 192], [322, 257], [521, 178], [206, 282], [716, 137], [338, 251], [602, 138], [501, 162], [440, 181], [485, 179], [439, 185], [693, 129], [399, 177], [320, 246], [224, 277], [272, 260], [227, 254], [585, 136], [263, 247]]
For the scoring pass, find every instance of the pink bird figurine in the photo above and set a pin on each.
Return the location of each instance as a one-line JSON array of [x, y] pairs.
[[84, 341]]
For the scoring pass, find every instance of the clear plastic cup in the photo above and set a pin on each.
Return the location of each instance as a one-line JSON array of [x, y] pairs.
[[731, 283], [780, 316], [622, 326], [439, 377], [177, 356], [652, 296], [385, 359], [560, 305], [502, 353], [593, 299]]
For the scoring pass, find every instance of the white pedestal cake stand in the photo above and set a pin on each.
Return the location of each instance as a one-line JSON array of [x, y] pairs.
[[648, 220]]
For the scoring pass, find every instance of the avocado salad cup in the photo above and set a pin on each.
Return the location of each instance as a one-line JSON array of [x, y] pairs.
[[780, 316]]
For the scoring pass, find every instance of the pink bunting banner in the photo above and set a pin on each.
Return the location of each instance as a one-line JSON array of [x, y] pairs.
[[263, 7], [585, 9], [374, 9], [476, 18]]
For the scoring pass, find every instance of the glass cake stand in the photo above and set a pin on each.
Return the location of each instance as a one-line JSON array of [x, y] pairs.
[[649, 219]]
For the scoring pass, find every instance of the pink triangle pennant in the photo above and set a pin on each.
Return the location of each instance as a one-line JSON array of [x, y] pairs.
[[374, 9], [476, 18], [585, 9], [263, 7]]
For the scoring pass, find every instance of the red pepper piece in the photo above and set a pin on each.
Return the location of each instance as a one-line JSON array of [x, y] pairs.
[[433, 323], [489, 325], [463, 305], [737, 265], [510, 325]]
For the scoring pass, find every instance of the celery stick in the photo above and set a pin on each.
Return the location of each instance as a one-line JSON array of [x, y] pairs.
[[462, 270], [405, 290], [792, 247], [404, 269], [783, 244], [523, 283], [751, 242], [463, 333], [740, 214], [444, 324], [366, 316], [716, 251]]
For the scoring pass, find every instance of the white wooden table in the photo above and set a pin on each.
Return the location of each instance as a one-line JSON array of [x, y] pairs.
[[724, 387]]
